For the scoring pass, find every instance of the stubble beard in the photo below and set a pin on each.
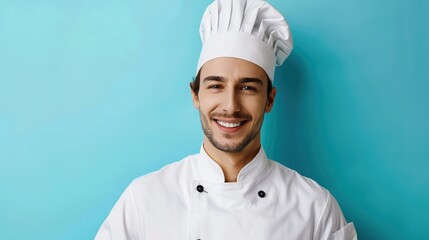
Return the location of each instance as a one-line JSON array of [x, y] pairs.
[[230, 148]]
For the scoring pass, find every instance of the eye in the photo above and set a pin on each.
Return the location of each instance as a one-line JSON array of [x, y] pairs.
[[249, 88], [214, 86]]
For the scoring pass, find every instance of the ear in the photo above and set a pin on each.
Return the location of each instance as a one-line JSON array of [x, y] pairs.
[[270, 100], [195, 99]]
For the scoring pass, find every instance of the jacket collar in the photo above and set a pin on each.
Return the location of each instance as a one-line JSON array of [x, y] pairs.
[[208, 170]]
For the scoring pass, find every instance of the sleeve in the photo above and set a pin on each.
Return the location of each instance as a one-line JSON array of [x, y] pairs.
[[123, 222], [332, 224]]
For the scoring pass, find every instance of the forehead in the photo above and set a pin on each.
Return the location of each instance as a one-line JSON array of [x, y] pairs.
[[232, 68]]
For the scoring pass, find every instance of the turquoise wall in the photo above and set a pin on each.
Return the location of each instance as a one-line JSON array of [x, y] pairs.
[[95, 93]]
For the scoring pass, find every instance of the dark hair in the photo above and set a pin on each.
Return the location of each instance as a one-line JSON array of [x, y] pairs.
[[195, 84]]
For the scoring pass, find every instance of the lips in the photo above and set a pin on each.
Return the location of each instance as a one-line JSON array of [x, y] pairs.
[[229, 124]]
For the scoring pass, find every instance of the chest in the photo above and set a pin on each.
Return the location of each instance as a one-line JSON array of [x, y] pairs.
[[207, 211]]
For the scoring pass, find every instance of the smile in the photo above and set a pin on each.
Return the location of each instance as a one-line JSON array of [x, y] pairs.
[[229, 124]]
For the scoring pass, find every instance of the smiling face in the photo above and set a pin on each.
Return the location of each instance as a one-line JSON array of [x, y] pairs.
[[232, 100]]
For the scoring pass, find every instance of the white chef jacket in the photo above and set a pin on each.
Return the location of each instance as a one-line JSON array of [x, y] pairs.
[[189, 200]]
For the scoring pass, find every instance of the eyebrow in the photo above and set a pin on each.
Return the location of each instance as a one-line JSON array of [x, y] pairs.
[[241, 80], [214, 78], [251, 80]]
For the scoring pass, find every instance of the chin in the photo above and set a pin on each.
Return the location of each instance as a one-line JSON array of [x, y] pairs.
[[226, 145]]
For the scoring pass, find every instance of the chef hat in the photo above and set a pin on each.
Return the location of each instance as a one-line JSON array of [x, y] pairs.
[[252, 30]]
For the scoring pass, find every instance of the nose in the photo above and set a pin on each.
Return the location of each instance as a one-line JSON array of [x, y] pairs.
[[231, 102]]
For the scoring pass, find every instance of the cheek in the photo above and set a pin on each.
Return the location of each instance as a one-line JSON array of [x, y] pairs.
[[256, 106], [207, 103]]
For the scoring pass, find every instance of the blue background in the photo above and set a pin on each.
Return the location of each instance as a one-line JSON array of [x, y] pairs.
[[95, 93]]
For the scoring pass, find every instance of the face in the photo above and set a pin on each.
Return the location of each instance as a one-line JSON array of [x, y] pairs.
[[232, 101]]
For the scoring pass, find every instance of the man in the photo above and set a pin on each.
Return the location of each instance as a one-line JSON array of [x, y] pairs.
[[230, 190]]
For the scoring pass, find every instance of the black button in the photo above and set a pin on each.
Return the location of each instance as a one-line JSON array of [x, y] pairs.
[[200, 188], [261, 194]]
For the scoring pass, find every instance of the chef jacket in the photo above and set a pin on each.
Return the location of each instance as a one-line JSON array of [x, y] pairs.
[[190, 200]]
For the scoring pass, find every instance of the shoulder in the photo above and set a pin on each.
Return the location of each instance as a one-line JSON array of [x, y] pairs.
[[309, 198], [171, 176], [293, 180], [296, 188]]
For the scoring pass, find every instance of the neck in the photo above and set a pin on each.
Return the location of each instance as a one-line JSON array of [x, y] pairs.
[[231, 163]]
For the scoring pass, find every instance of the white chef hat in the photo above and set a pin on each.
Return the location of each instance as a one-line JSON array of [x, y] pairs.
[[252, 30]]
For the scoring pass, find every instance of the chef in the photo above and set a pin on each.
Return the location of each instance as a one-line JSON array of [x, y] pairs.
[[230, 190]]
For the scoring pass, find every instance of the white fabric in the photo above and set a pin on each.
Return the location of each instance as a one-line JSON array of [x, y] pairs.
[[252, 30], [165, 205]]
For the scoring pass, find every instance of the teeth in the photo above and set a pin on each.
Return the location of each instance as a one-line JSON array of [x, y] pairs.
[[229, 125]]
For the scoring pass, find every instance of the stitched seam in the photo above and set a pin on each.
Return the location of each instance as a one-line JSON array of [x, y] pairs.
[[321, 215], [138, 212]]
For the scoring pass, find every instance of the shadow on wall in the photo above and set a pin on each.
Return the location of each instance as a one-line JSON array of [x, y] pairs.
[[294, 132]]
